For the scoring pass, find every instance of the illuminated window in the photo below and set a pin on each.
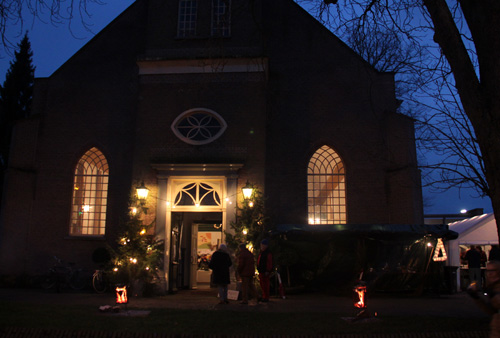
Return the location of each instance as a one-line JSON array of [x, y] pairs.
[[90, 194], [198, 194], [221, 18], [186, 26], [326, 188]]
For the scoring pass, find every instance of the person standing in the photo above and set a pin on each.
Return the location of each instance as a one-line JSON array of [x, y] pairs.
[[246, 271], [265, 267], [220, 264], [494, 253], [484, 258], [473, 258], [491, 304]]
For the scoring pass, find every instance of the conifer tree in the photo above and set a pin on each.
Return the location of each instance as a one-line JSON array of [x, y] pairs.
[[251, 224], [139, 254], [17, 90], [15, 97]]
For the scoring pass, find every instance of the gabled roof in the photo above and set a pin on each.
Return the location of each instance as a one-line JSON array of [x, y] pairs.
[[465, 226], [480, 229]]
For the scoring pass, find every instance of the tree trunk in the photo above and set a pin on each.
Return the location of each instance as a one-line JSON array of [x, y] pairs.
[[480, 96]]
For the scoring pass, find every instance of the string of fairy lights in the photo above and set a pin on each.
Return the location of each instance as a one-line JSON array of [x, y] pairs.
[[142, 194]]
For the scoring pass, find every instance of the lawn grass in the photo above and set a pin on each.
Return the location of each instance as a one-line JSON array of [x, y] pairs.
[[223, 322]]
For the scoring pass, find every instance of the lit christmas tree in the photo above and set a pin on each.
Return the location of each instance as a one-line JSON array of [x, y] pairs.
[[139, 255], [251, 224]]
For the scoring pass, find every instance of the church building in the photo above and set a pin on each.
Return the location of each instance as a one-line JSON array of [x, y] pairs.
[[192, 99]]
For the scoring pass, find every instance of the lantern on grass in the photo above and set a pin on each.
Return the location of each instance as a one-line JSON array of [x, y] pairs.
[[359, 293], [121, 294]]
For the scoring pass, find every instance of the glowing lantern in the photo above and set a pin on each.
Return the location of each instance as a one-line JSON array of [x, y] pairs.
[[121, 295], [142, 193], [359, 296], [247, 191]]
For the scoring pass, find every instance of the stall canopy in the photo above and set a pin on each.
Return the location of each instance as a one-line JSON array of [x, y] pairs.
[[388, 257], [478, 230], [375, 231]]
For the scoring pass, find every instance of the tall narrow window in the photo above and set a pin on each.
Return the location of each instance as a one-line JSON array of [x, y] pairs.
[[90, 195], [186, 26], [326, 188], [221, 18]]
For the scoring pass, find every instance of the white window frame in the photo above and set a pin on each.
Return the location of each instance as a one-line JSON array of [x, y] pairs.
[[221, 18], [198, 126], [90, 195], [326, 188], [187, 18]]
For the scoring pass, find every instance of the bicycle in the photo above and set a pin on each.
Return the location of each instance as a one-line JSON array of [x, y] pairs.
[[99, 281], [63, 275]]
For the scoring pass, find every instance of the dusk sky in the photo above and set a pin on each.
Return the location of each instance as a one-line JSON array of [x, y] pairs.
[[52, 46]]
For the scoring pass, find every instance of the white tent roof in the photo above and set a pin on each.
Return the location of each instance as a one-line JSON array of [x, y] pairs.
[[480, 229]]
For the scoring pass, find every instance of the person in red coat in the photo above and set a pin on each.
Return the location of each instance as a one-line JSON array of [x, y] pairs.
[[265, 267], [246, 271]]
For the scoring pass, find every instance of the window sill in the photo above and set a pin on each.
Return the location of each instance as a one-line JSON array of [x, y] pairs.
[[206, 37], [86, 237]]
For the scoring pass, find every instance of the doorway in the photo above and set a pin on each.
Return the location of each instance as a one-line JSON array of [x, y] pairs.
[[195, 236], [197, 198]]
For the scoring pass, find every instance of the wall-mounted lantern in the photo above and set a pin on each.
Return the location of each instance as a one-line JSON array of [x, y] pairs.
[[247, 191], [142, 193]]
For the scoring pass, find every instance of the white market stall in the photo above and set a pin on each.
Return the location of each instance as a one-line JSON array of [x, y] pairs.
[[478, 231]]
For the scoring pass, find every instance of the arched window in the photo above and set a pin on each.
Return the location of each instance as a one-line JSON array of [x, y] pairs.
[[326, 188], [90, 195]]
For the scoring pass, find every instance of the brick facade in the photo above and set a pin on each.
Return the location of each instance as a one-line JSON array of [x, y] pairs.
[[303, 88]]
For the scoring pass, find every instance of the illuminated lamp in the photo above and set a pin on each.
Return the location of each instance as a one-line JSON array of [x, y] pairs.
[[121, 295], [359, 295], [142, 193], [247, 191]]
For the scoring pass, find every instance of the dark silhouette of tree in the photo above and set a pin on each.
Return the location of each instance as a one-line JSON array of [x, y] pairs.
[[449, 156], [16, 14], [461, 67], [15, 97]]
